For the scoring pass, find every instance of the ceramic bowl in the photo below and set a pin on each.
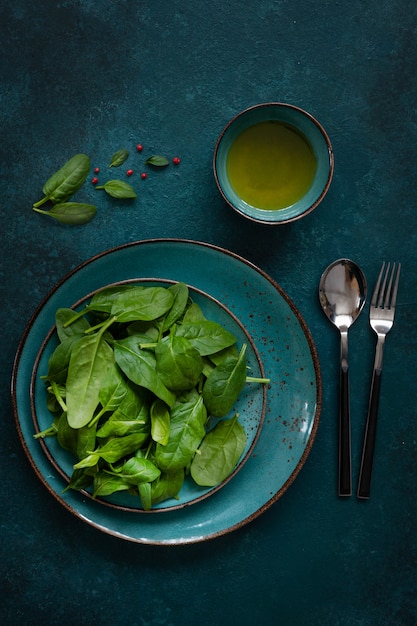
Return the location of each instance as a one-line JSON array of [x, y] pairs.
[[294, 119]]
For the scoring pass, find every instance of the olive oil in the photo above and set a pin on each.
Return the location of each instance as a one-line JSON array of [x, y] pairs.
[[271, 165]]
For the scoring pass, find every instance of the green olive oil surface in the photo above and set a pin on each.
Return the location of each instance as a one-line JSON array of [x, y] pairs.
[[270, 165]]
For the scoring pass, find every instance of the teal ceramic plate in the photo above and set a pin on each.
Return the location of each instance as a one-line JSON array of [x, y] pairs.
[[285, 349], [250, 406]]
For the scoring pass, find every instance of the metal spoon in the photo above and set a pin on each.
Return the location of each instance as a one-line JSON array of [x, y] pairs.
[[342, 293]]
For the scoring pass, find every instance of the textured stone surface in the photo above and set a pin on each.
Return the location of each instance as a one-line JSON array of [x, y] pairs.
[[83, 76]]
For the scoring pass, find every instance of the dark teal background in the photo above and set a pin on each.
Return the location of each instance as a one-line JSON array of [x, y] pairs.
[[95, 77]]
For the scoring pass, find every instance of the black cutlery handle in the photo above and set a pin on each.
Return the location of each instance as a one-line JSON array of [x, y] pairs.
[[345, 459], [365, 474]]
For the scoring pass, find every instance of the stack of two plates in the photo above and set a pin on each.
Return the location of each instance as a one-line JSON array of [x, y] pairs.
[[280, 420]]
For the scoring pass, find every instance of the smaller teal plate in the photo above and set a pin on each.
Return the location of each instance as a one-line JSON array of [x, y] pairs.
[[286, 351], [250, 406]]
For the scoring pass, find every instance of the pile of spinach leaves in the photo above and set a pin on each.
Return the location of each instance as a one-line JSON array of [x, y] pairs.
[[136, 379]]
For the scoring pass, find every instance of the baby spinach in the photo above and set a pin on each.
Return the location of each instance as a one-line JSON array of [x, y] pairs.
[[206, 336], [224, 384], [72, 213], [66, 181], [132, 383], [118, 189], [160, 422], [178, 363], [90, 358], [157, 161], [119, 158], [140, 367], [186, 432], [219, 453]]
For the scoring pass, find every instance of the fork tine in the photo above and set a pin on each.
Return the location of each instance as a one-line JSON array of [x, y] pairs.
[[388, 291], [395, 290], [381, 301], [376, 289]]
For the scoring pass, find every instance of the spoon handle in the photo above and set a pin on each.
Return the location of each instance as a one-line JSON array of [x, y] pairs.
[[345, 465], [345, 462]]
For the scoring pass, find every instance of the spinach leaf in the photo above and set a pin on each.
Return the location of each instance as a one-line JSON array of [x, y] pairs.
[[157, 161], [59, 360], [72, 213], [62, 316], [113, 450], [186, 432], [89, 361], [145, 494], [104, 299], [168, 485], [140, 367], [118, 189], [66, 181], [119, 158], [224, 384], [219, 453], [144, 304], [67, 437], [180, 301], [130, 416], [105, 484], [178, 363], [206, 336], [137, 470], [160, 422]]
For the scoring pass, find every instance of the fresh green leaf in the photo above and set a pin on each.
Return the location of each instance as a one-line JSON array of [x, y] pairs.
[[119, 158], [168, 485], [140, 367], [219, 453], [72, 213], [157, 161], [118, 189], [160, 422], [144, 304], [89, 361], [224, 384], [64, 330], [186, 432], [178, 363], [66, 181], [206, 336], [136, 471]]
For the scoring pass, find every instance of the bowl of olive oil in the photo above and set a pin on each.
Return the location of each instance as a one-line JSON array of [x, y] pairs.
[[273, 163]]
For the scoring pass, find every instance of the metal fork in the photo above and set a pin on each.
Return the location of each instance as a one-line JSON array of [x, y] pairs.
[[381, 317]]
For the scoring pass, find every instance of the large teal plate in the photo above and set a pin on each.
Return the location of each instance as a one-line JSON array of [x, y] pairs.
[[285, 348]]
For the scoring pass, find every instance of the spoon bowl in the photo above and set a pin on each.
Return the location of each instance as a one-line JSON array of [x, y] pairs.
[[342, 294]]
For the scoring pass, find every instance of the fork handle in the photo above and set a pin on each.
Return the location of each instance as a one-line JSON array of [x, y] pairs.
[[365, 474]]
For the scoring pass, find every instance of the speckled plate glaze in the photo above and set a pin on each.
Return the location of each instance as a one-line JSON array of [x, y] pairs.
[[285, 348], [250, 406]]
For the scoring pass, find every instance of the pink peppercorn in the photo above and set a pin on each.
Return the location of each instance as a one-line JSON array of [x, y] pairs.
[[94, 180], [143, 175], [176, 160], [96, 170], [139, 147], [129, 172]]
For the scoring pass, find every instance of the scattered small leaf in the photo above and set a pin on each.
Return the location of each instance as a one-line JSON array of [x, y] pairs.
[[70, 212], [118, 189], [157, 161], [119, 158]]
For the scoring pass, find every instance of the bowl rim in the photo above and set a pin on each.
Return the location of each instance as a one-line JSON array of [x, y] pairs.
[[313, 120]]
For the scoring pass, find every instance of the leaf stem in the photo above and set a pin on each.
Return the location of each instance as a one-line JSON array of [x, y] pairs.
[[40, 202], [251, 379]]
